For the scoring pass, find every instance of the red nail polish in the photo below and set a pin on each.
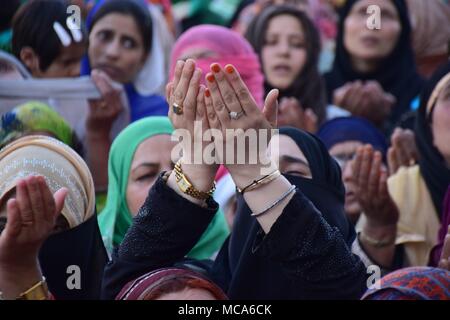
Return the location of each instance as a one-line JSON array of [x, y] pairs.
[[210, 77], [207, 93], [229, 69], [215, 67]]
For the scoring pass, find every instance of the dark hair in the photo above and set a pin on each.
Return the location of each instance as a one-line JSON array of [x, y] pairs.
[[309, 87], [138, 11], [33, 27], [9, 8]]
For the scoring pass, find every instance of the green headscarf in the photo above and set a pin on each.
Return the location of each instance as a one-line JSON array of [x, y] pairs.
[[32, 117], [116, 218]]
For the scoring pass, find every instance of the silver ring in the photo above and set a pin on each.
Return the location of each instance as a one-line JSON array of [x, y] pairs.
[[236, 115], [177, 109]]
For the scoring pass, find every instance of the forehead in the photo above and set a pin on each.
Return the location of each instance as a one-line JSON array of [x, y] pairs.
[[346, 147], [154, 148], [118, 22], [383, 4], [285, 23], [286, 146], [197, 53], [75, 50]]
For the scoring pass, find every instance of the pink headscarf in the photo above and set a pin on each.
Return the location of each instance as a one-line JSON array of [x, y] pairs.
[[230, 47], [151, 283]]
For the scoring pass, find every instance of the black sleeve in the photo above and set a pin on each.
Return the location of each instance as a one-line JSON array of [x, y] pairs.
[[166, 228], [313, 253]]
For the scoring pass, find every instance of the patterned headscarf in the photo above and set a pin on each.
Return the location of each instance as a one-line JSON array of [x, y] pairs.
[[156, 283], [420, 283], [58, 164], [34, 117]]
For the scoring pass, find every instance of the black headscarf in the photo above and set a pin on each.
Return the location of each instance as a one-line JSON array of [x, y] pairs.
[[432, 164], [396, 74], [326, 192], [82, 247], [309, 87]]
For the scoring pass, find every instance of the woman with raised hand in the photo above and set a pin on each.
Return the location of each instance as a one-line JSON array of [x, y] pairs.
[[138, 156], [406, 210], [374, 74], [73, 257], [126, 43], [288, 250], [288, 46], [31, 218]]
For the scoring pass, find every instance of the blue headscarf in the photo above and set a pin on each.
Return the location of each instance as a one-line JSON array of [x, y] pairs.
[[142, 105], [352, 129]]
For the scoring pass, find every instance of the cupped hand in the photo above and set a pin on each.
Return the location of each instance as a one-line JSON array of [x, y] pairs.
[[371, 188], [104, 111], [31, 218], [237, 116]]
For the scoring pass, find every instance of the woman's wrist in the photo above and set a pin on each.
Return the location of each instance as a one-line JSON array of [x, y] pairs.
[[245, 174], [385, 235], [15, 279], [200, 176], [98, 131]]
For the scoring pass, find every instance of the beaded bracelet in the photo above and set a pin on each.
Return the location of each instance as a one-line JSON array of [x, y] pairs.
[[284, 196]]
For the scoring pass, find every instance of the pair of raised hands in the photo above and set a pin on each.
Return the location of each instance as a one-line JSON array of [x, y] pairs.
[[213, 106], [292, 114], [365, 99], [370, 178]]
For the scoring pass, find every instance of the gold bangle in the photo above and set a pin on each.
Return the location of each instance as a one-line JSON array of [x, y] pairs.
[[376, 242], [39, 291], [257, 183], [186, 186]]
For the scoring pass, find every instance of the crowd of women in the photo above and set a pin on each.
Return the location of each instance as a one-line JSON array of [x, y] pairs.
[[95, 203]]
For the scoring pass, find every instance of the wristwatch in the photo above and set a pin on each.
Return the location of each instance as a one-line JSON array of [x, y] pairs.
[[186, 186]]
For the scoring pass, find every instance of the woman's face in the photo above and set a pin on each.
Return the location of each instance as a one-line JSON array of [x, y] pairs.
[[116, 47], [284, 53], [197, 54], [366, 44], [151, 158], [291, 159], [344, 152], [441, 124]]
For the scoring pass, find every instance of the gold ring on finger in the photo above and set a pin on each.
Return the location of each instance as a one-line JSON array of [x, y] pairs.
[[177, 109]]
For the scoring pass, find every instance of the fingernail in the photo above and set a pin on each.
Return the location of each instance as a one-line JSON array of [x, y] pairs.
[[215, 68], [207, 93], [210, 77], [229, 69]]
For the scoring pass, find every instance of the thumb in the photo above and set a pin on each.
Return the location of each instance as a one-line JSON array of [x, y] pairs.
[[271, 107], [60, 197]]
